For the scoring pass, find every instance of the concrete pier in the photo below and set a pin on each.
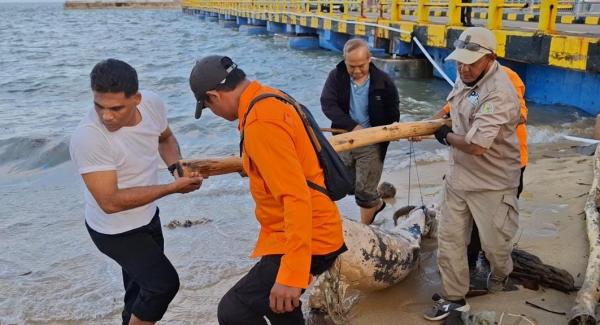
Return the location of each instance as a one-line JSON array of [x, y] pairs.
[[305, 42], [409, 68], [213, 18], [542, 56], [254, 30], [228, 23]]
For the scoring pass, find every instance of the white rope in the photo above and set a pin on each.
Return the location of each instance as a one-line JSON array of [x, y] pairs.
[[435, 65], [267, 320], [413, 158], [416, 40], [522, 317]]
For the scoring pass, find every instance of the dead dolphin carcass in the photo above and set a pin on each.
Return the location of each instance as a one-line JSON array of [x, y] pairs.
[[376, 259]]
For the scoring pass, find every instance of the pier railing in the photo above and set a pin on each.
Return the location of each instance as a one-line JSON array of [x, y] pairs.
[[447, 12]]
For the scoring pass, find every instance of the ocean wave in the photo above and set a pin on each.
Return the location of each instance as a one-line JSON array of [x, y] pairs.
[[549, 133], [28, 153], [90, 298], [10, 269], [396, 161], [540, 135]]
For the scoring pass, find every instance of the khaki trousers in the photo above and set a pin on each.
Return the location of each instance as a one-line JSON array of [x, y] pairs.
[[497, 218]]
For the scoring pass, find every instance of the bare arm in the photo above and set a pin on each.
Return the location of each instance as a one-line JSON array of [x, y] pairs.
[[458, 142], [111, 199], [168, 147]]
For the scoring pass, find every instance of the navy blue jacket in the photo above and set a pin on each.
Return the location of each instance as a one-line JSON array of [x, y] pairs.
[[383, 100]]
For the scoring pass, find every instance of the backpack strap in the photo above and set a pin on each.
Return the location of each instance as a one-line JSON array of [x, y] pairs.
[[250, 107], [317, 187], [311, 134]]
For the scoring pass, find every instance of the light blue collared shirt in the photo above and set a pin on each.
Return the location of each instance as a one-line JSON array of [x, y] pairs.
[[359, 102]]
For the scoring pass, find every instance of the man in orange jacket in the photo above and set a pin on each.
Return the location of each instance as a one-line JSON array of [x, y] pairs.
[[301, 229], [474, 247]]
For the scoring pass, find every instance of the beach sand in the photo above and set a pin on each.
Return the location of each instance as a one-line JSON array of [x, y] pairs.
[[552, 226]]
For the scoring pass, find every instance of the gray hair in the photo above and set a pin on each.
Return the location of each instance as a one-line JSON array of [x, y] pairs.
[[354, 44]]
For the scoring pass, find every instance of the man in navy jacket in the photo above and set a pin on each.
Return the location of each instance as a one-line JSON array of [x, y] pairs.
[[358, 95]]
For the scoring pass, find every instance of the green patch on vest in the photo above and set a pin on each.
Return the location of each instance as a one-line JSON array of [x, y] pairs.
[[487, 108]]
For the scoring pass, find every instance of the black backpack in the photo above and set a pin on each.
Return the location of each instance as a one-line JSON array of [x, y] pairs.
[[338, 182]]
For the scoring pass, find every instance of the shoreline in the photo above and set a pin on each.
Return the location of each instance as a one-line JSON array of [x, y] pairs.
[[552, 226]]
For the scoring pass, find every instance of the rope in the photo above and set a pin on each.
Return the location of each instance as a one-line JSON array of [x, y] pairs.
[[412, 156], [417, 172], [413, 159], [409, 172]]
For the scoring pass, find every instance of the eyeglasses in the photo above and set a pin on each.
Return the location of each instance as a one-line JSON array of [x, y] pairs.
[[474, 47]]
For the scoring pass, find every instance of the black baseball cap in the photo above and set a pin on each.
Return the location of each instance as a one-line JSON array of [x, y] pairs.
[[208, 73]]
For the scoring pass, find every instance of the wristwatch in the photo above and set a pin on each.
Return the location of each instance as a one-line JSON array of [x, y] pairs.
[[175, 166]]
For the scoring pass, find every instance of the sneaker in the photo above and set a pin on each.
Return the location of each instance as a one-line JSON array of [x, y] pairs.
[[473, 275], [441, 307], [496, 283], [477, 283]]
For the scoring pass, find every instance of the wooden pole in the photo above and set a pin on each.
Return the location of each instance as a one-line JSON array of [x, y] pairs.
[[212, 167], [587, 298], [340, 142], [331, 130], [391, 132]]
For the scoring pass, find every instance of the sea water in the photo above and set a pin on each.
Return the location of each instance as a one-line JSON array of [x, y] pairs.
[[50, 271]]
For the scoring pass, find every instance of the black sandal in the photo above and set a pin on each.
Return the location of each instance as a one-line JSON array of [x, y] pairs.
[[376, 212]]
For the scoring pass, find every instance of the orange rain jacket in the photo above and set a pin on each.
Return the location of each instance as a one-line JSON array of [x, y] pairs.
[[296, 221], [521, 128]]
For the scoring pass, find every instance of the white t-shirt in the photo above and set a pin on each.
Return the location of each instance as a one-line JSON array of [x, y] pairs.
[[130, 151]]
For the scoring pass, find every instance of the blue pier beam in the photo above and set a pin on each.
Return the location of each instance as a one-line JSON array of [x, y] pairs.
[[242, 21], [228, 22], [212, 17], [332, 41], [254, 29], [304, 42], [569, 59], [276, 28]]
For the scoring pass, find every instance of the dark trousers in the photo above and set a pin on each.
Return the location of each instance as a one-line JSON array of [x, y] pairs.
[[247, 302], [475, 245], [465, 13], [149, 278]]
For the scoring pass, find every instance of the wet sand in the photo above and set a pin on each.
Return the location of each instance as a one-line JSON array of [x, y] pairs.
[[552, 226]]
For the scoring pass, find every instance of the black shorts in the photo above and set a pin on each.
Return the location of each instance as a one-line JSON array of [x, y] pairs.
[[149, 278], [247, 302]]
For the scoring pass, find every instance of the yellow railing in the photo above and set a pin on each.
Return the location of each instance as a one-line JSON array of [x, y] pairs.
[[389, 10]]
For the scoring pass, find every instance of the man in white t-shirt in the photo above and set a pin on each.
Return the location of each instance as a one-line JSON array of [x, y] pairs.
[[116, 150]]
